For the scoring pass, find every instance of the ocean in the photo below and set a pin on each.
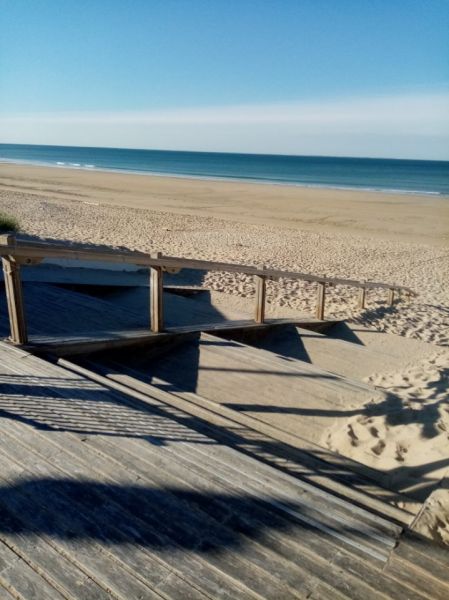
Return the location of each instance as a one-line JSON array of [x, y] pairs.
[[405, 176]]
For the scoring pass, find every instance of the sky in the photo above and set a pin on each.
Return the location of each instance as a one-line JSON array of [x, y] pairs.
[[315, 77]]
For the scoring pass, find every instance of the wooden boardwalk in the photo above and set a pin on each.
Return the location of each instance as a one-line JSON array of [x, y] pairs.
[[56, 321], [105, 494], [282, 399], [65, 321]]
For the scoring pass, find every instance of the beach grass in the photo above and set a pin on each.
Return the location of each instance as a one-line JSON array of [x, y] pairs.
[[8, 223]]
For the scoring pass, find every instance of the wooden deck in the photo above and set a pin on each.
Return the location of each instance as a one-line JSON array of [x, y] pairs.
[[65, 322], [112, 495], [95, 341]]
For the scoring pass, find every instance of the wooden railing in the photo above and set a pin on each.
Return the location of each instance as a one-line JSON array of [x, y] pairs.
[[16, 253]]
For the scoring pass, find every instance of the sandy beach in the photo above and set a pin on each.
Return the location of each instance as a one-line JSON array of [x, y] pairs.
[[402, 239], [399, 217]]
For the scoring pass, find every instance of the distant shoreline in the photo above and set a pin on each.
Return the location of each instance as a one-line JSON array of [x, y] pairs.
[[93, 168], [394, 176]]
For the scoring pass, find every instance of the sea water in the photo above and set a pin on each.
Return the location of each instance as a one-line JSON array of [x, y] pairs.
[[406, 176]]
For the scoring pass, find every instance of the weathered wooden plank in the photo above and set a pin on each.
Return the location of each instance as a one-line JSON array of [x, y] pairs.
[[66, 344], [417, 579], [362, 298], [124, 570], [18, 577], [5, 593], [44, 558], [270, 362], [165, 519], [14, 296], [261, 292], [301, 559], [321, 298], [157, 299], [306, 547], [429, 555]]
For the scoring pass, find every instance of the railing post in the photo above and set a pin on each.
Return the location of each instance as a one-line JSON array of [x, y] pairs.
[[261, 291], [391, 296], [156, 298], [14, 298], [321, 297], [362, 297]]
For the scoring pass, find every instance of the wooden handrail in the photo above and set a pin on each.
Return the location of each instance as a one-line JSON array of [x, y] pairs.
[[39, 250], [23, 252]]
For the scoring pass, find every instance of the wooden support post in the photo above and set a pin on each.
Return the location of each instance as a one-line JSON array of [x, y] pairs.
[[14, 297], [391, 296], [321, 297], [362, 297], [156, 298], [261, 291]]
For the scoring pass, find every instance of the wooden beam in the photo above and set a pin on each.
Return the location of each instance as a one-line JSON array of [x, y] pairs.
[[362, 297], [33, 250], [14, 297], [321, 298], [156, 299], [391, 296], [261, 292]]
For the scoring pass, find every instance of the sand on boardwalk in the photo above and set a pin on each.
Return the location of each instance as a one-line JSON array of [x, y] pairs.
[[401, 239]]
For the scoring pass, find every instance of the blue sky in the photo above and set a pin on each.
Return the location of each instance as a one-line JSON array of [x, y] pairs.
[[247, 75]]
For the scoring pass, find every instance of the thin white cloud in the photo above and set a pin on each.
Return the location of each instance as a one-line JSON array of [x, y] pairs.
[[412, 126]]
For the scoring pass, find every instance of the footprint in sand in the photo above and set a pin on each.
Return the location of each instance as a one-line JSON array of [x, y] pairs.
[[401, 449], [353, 436], [378, 448], [374, 431]]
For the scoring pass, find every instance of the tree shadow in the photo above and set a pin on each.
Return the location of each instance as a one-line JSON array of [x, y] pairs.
[[165, 518]]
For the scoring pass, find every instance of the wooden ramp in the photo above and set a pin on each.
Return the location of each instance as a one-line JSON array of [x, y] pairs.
[[112, 495], [287, 405], [294, 396], [351, 359]]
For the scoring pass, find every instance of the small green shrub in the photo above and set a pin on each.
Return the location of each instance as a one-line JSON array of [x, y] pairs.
[[8, 223]]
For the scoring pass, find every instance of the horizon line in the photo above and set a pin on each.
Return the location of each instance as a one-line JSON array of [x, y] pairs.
[[275, 154]]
